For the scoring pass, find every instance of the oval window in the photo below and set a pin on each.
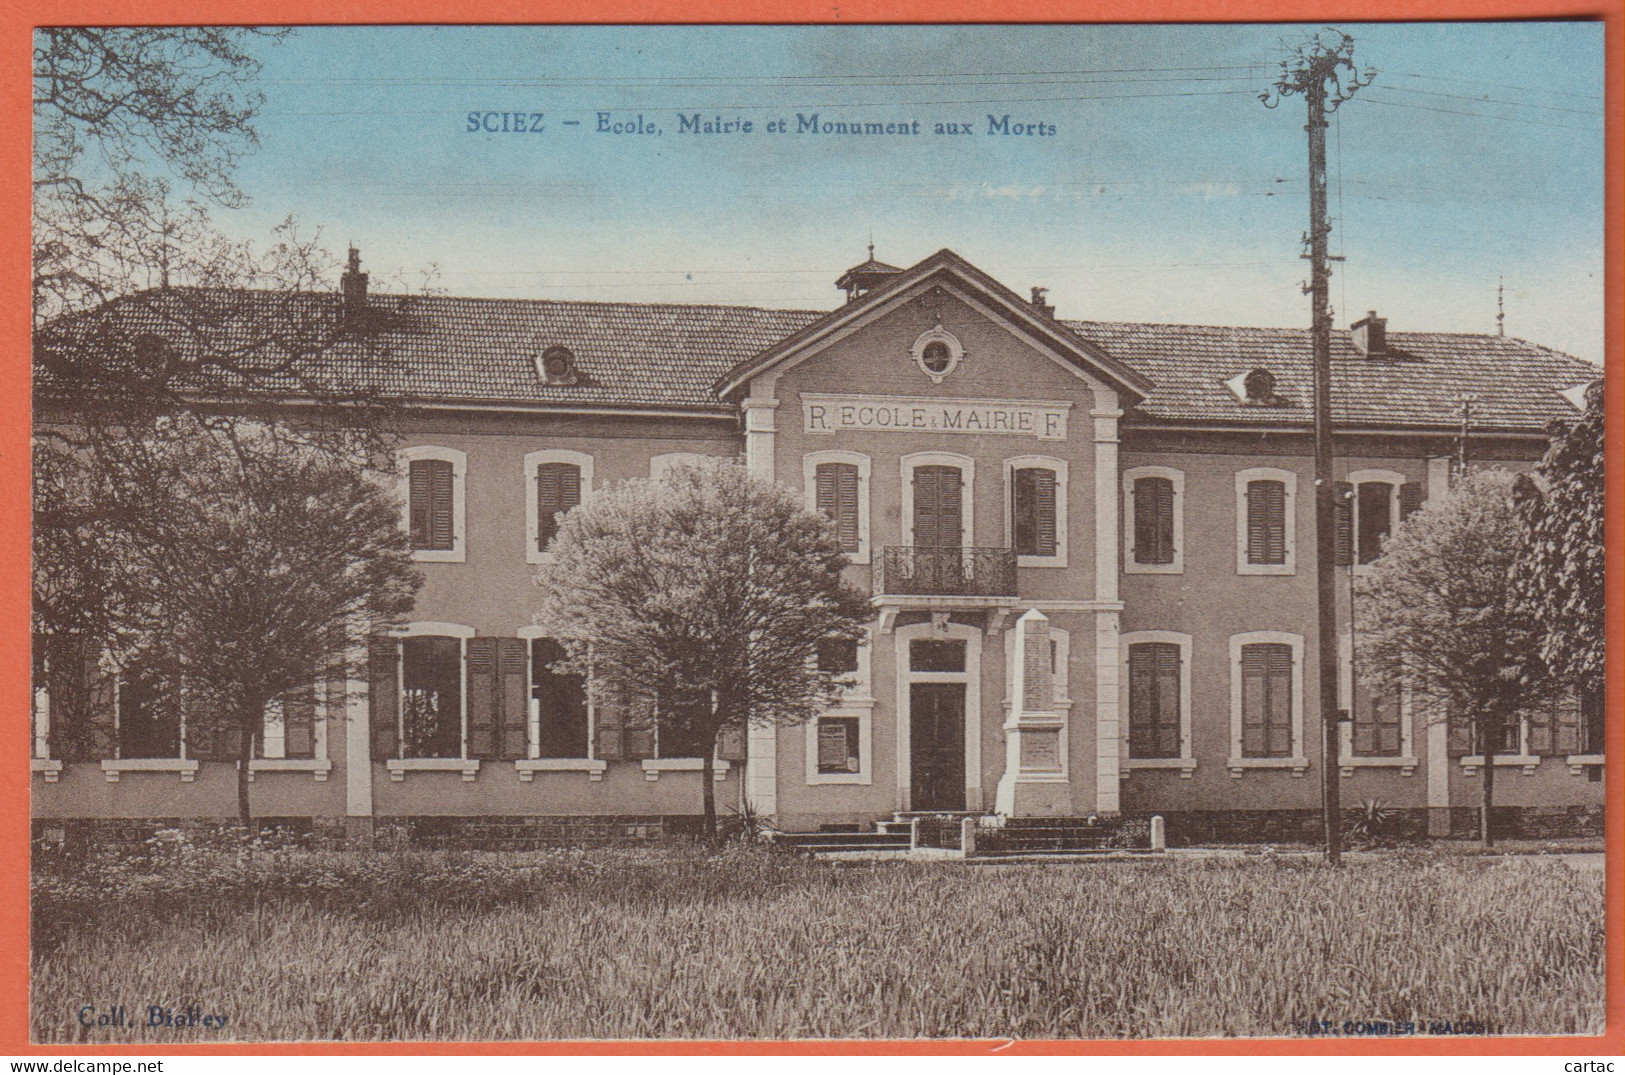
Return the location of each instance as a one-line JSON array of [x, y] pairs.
[[936, 357]]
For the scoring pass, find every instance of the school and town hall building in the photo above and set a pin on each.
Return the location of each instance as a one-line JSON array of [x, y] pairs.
[[1090, 547]]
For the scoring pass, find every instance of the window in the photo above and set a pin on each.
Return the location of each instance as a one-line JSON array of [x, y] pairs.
[[1156, 512], [1154, 700], [432, 488], [1376, 724], [937, 352], [837, 492], [1369, 505], [555, 482], [1035, 526], [939, 492], [1266, 702], [288, 727], [837, 485], [1265, 532], [936, 655], [1593, 722], [1157, 676], [838, 655], [431, 697], [149, 718], [558, 703], [839, 749]]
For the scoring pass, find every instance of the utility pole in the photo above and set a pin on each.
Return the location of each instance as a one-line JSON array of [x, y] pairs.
[[1315, 69]]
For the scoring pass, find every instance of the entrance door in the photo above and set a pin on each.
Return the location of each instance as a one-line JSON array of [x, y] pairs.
[[936, 715]]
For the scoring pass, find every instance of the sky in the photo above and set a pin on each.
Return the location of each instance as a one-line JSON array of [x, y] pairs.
[[1155, 185]]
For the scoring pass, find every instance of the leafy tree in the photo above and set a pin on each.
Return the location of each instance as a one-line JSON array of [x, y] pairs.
[[701, 601], [250, 578], [1438, 616], [1561, 577]]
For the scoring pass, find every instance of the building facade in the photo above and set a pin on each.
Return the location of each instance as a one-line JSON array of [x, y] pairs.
[[1090, 548]]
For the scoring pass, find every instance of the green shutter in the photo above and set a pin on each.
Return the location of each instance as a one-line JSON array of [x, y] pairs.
[[1266, 522], [513, 697], [1343, 497], [1410, 499], [558, 489], [383, 697], [482, 698], [836, 492]]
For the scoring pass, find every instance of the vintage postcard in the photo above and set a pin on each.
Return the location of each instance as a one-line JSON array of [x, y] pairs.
[[755, 534]]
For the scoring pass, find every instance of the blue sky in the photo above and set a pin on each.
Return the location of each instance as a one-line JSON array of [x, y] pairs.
[[1166, 193]]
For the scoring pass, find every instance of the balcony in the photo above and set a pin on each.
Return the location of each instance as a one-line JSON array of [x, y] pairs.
[[921, 571]]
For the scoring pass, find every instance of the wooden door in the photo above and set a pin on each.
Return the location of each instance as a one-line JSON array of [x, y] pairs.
[[936, 713]]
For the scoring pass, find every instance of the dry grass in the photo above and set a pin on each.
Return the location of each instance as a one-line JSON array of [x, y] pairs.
[[680, 944]]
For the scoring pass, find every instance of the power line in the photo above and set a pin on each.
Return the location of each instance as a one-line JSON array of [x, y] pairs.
[[1502, 86], [1478, 115], [1486, 99]]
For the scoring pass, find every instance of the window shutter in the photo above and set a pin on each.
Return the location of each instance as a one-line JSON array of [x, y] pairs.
[[1365, 733], [513, 728], [733, 743], [1142, 686], [1280, 700], [97, 739], [1566, 738], [1460, 738], [558, 489], [640, 743], [420, 502], [1593, 717], [1254, 700], [1388, 714], [1167, 712], [383, 697], [440, 521], [1343, 496], [937, 507], [1266, 522], [82, 700], [1044, 508], [1410, 499], [299, 723], [611, 741], [482, 698], [1153, 521], [1540, 734], [837, 497]]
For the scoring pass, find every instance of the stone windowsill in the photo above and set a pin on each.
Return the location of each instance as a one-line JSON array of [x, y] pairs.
[[1186, 766], [1577, 763], [318, 768], [115, 767], [653, 767], [824, 779], [51, 768], [1405, 763], [399, 767], [1238, 766], [529, 767], [1472, 763]]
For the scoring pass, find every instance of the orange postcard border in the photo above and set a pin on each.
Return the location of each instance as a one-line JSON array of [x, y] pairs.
[[17, 19]]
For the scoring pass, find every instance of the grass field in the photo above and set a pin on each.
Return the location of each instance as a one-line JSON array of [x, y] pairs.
[[677, 943]]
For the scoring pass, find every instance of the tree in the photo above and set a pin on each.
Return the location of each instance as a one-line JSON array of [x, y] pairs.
[[1439, 617], [1560, 579], [699, 603], [252, 578]]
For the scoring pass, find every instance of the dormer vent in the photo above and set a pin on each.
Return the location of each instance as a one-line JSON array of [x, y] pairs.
[[1370, 335], [1255, 388], [557, 365]]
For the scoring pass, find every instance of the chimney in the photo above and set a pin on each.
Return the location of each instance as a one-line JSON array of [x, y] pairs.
[[1040, 305], [1371, 335], [353, 285]]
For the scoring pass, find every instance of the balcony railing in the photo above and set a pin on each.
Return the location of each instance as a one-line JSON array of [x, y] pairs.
[[957, 572]]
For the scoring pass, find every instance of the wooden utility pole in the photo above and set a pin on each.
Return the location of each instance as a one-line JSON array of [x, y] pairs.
[[1315, 69]]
